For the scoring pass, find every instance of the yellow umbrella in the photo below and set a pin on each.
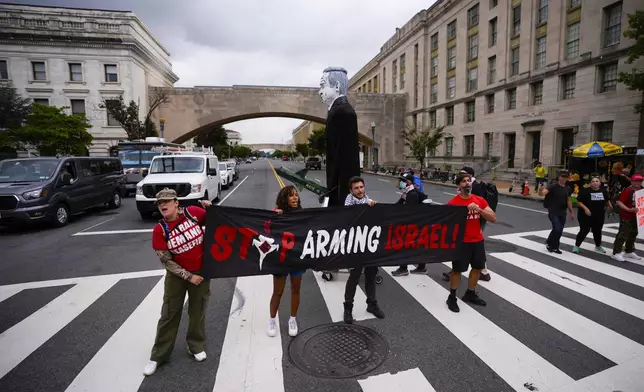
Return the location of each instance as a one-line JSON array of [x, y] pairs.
[[596, 150]]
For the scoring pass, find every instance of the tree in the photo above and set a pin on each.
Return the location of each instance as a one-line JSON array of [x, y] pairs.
[[317, 141], [53, 132], [14, 109], [241, 151], [128, 115], [634, 80], [212, 137], [420, 141], [302, 149]]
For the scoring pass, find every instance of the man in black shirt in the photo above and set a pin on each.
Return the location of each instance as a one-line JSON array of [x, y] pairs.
[[410, 196], [557, 200]]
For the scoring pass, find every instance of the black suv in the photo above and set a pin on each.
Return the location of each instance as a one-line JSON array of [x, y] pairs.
[[313, 163]]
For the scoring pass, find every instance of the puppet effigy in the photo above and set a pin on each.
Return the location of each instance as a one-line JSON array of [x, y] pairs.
[[342, 150]]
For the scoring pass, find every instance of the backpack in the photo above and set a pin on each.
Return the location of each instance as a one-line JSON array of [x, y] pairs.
[[487, 191], [615, 197], [166, 228]]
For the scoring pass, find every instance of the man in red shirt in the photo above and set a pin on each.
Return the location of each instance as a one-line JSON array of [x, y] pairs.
[[627, 221], [472, 242]]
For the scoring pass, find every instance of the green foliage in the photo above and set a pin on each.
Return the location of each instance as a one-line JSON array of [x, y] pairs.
[[13, 108], [241, 151], [128, 115], [634, 79], [302, 149], [317, 141], [212, 137], [50, 130], [420, 141]]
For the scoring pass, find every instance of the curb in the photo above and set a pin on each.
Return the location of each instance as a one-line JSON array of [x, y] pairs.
[[447, 185]]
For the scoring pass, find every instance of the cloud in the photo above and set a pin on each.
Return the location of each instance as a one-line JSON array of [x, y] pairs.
[[263, 42]]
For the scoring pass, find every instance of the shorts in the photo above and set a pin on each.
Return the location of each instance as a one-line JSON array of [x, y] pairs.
[[474, 256], [292, 273]]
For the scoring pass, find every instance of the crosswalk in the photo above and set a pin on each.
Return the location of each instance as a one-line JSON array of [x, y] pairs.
[[560, 323]]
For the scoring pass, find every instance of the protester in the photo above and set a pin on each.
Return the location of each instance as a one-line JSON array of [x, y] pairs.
[[181, 255], [627, 221], [356, 197], [540, 175], [418, 184], [592, 205], [410, 196], [557, 200], [288, 200], [473, 244]]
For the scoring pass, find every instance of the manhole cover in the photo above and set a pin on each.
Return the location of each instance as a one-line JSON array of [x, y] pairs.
[[338, 351], [498, 246]]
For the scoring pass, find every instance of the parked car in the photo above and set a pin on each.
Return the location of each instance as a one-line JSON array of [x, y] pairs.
[[226, 175], [313, 163], [234, 167], [248, 160], [50, 189]]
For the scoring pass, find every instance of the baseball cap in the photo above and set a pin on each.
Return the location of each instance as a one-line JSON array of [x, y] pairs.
[[166, 194], [637, 177], [407, 177], [468, 170]]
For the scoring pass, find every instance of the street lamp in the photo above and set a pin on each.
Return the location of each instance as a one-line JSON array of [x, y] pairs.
[[373, 146], [161, 126]]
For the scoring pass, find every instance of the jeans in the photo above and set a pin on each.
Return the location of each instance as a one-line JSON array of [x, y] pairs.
[[627, 234], [558, 223], [369, 283]]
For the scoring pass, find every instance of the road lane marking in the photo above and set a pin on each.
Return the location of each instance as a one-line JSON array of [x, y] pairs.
[[591, 247], [387, 181], [250, 360], [130, 231], [19, 341], [408, 380], [625, 377], [510, 359], [333, 293], [317, 180], [98, 224], [232, 191], [277, 177]]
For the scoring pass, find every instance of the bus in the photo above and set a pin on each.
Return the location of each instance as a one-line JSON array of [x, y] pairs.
[[136, 156]]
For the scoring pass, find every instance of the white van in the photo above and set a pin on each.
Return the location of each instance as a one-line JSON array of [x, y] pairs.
[[194, 176]]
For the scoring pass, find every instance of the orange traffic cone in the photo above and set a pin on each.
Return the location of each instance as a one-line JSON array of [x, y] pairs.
[[526, 188]]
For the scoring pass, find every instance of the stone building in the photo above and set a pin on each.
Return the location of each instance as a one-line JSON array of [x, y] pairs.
[[77, 58], [303, 131], [233, 137], [512, 81]]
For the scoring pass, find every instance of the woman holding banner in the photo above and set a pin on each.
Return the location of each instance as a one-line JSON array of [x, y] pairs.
[[178, 242], [287, 200]]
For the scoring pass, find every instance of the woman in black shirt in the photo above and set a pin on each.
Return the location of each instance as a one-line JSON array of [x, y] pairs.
[[593, 202]]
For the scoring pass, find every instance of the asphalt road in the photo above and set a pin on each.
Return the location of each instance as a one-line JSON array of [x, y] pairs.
[[79, 306]]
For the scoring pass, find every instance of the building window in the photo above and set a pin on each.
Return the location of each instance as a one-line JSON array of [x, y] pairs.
[[473, 16], [4, 70], [489, 103], [451, 87], [575, 3], [416, 75], [491, 70], [376, 84], [542, 13], [384, 80], [468, 145], [516, 20], [472, 77], [432, 119], [608, 77], [612, 24], [369, 86], [604, 131], [489, 143], [512, 98], [78, 106], [111, 75], [394, 75], [434, 93], [435, 42], [514, 67], [451, 31], [470, 111], [572, 41], [42, 101], [493, 32], [451, 58], [403, 70], [434, 66], [540, 60], [568, 83], [536, 90], [449, 146], [493, 3], [75, 72], [473, 47], [39, 71], [449, 115], [111, 121]]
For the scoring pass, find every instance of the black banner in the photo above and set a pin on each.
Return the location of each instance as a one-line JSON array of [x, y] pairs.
[[244, 241]]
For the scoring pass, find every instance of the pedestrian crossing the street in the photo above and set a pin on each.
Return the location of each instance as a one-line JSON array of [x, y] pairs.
[[554, 322]]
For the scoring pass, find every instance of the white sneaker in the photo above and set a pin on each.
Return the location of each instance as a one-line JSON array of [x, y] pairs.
[[199, 357], [632, 256], [292, 326], [618, 257], [150, 368], [272, 327]]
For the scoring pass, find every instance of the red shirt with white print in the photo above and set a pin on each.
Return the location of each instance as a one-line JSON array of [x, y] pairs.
[[185, 239], [473, 232]]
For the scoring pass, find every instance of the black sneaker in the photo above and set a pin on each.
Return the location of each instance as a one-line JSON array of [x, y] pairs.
[[348, 317], [485, 277], [550, 249], [557, 251], [473, 298], [400, 272], [419, 271], [452, 303], [376, 311]]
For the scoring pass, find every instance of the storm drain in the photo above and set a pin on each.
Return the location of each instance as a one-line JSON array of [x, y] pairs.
[[338, 351]]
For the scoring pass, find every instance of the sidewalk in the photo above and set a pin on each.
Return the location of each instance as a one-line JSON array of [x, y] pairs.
[[502, 186]]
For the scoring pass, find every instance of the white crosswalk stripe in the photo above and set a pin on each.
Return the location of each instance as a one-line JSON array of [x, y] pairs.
[[248, 360]]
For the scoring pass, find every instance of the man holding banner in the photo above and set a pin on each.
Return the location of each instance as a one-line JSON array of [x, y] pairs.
[[627, 222]]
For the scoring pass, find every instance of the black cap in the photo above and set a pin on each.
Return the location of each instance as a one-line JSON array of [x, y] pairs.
[[468, 170], [407, 177]]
